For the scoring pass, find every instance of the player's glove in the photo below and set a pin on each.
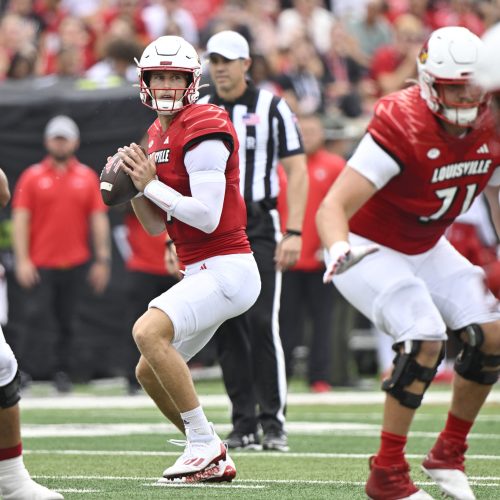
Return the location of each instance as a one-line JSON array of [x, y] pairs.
[[341, 256]]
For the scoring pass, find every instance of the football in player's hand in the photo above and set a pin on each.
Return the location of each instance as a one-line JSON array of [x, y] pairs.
[[116, 185]]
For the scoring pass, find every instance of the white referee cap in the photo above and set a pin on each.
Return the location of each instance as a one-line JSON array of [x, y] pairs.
[[228, 44]]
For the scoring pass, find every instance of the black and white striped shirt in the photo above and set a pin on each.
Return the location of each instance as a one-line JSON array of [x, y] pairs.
[[267, 132]]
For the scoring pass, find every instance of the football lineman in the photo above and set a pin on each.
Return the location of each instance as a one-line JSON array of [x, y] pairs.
[[15, 481], [190, 182], [429, 150]]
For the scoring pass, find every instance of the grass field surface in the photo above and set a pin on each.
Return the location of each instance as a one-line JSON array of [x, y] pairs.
[[100, 444]]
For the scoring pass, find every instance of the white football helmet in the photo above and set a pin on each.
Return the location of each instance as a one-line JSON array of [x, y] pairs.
[[169, 53], [451, 56]]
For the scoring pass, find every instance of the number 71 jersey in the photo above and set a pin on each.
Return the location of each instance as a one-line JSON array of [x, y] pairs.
[[439, 175]]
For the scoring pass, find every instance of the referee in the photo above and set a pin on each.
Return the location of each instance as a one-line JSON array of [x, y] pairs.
[[249, 346]]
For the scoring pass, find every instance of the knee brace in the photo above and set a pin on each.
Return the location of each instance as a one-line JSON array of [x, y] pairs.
[[406, 370], [10, 393], [471, 361]]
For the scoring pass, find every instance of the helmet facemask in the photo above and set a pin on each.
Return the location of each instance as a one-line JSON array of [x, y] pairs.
[[181, 97], [462, 111], [450, 58]]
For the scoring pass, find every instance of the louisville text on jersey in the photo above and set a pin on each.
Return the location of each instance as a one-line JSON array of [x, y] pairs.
[[461, 169], [161, 156]]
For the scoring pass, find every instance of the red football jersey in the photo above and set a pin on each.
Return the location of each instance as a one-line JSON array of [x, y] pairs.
[[189, 127], [439, 177]]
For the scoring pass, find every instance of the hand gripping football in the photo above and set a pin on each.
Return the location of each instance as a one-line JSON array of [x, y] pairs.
[[116, 185]]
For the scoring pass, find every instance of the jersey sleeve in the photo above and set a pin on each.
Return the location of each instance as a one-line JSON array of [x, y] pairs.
[[373, 162], [207, 121]]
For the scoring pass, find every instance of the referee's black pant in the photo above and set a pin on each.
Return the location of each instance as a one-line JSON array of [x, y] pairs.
[[249, 346]]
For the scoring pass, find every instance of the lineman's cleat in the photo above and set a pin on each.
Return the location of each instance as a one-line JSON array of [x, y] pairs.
[[392, 483], [445, 466], [200, 452]]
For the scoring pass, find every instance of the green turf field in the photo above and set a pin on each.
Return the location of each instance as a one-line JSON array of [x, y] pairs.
[[100, 444]]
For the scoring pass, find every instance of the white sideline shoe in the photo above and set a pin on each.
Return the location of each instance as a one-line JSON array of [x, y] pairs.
[[224, 471], [199, 453], [452, 482], [16, 483]]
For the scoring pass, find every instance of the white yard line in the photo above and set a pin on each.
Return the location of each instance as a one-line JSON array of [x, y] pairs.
[[73, 402], [246, 454], [249, 483], [294, 428]]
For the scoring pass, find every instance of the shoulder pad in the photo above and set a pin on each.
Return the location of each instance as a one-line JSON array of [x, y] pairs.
[[202, 120], [398, 118]]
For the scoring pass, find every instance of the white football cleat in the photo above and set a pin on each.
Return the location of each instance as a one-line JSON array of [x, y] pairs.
[[452, 482], [224, 471], [200, 452], [28, 490], [444, 464]]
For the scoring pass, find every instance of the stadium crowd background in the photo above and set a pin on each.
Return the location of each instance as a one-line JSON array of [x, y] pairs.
[[332, 58], [326, 57]]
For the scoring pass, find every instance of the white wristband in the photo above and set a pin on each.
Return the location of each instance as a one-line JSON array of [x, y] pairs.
[[162, 195]]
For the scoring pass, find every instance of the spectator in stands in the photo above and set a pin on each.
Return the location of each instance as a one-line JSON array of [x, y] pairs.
[[232, 16], [305, 78], [85, 9], [69, 63], [22, 64], [25, 10], [16, 36], [161, 13], [371, 30], [303, 294], [118, 62], [458, 13], [71, 32], [262, 16], [57, 205], [129, 11], [51, 12], [306, 18], [346, 66], [394, 65], [262, 75]]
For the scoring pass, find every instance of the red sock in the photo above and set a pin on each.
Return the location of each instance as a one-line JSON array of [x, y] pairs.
[[15, 451], [456, 429], [391, 450]]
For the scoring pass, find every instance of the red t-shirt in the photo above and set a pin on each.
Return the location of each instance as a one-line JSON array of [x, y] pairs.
[[147, 252], [60, 203], [439, 178], [323, 168], [189, 127]]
